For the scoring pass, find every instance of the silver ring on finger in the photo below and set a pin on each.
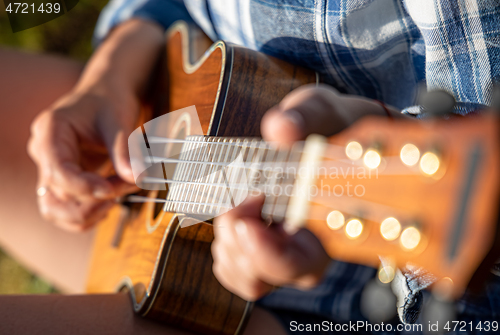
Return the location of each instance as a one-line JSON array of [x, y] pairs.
[[42, 190]]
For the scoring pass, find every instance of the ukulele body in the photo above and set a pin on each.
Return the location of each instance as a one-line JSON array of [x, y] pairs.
[[141, 248]]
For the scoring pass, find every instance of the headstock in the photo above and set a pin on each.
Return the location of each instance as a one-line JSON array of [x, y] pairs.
[[418, 192]]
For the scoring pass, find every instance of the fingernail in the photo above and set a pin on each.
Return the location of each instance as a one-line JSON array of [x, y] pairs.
[[289, 229], [296, 118], [102, 192], [241, 229]]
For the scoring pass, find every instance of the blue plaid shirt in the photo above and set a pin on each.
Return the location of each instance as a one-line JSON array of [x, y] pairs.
[[380, 49]]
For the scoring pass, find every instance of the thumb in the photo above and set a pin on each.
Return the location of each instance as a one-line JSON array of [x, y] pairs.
[[282, 259], [307, 110], [115, 134]]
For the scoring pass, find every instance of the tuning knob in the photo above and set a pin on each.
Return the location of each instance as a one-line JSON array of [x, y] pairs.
[[437, 103], [378, 303]]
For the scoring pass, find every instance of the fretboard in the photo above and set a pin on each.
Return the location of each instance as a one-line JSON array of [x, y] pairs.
[[215, 174]]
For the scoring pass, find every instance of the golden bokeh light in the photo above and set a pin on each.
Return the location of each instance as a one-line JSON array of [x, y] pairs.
[[354, 228], [386, 274], [335, 220], [429, 164], [410, 154], [354, 150], [372, 159], [410, 238], [390, 229]]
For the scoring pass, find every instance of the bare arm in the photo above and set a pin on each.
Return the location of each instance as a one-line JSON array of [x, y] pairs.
[[72, 138]]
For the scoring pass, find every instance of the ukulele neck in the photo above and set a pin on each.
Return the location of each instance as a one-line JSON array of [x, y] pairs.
[[215, 174]]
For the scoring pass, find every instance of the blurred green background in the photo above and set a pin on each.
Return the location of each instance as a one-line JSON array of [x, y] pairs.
[[69, 35]]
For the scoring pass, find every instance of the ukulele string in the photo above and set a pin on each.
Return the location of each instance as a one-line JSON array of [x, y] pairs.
[[251, 150], [392, 166], [226, 207], [318, 209], [243, 143], [332, 152]]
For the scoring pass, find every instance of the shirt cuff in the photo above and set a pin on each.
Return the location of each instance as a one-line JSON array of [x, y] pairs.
[[461, 108]]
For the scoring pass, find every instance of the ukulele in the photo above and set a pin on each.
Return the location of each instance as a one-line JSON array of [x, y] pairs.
[[423, 193]]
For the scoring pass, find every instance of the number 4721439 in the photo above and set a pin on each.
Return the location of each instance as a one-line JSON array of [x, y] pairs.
[[470, 326], [25, 8]]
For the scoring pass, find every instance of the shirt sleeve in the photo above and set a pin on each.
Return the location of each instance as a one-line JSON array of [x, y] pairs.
[[462, 49], [163, 12]]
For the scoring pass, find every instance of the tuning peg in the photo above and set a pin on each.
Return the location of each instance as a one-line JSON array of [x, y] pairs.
[[378, 303], [437, 103]]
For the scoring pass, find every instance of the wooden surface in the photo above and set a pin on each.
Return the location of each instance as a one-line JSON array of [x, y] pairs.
[[258, 82]]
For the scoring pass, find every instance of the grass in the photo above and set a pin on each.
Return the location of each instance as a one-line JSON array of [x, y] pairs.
[[14, 279], [69, 35]]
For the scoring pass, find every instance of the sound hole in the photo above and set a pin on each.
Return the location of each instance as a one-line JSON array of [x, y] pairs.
[[159, 206]]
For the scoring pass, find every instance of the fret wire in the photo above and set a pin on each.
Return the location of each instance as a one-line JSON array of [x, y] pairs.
[[181, 189], [198, 172], [263, 160], [256, 160], [175, 188], [200, 156], [228, 173], [296, 165], [271, 198], [204, 175], [217, 172], [177, 174], [236, 176], [231, 196], [249, 159], [189, 193], [170, 195], [270, 157], [189, 175], [211, 153], [294, 162], [223, 153], [227, 196], [255, 151], [277, 213]]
